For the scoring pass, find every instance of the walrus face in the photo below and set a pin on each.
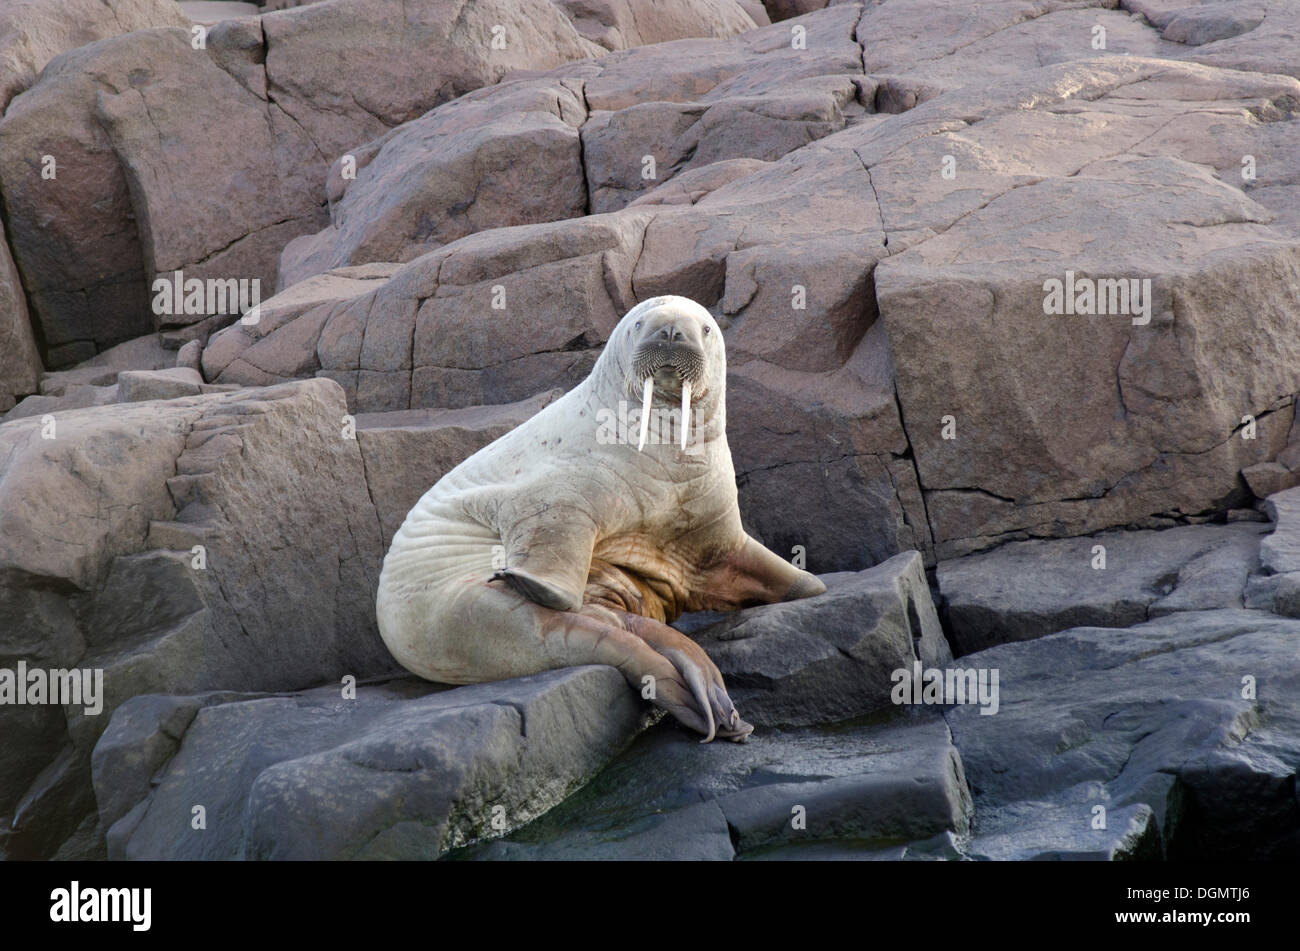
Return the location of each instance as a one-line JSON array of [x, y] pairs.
[[674, 344]]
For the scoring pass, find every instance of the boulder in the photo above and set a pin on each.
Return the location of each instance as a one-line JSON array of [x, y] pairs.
[[209, 12], [839, 263], [397, 770], [73, 396], [837, 437], [678, 137], [493, 318], [1024, 590], [513, 149], [190, 355], [855, 792], [134, 386], [71, 235], [349, 70], [833, 657], [33, 32], [281, 97], [1149, 427], [1280, 551], [920, 49], [134, 543], [407, 451], [1192, 716], [225, 195], [622, 24], [20, 363], [1254, 35], [1269, 478], [142, 353]]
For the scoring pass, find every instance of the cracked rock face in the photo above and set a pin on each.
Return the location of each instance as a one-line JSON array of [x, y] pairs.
[[402, 770], [141, 555], [145, 189], [1028, 589], [1003, 285]]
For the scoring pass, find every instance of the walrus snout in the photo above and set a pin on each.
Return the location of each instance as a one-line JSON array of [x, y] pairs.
[[682, 361]]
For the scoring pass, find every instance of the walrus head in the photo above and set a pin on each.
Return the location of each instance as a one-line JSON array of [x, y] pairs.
[[673, 353]]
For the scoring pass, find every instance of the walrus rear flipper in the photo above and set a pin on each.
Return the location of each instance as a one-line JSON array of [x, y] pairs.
[[680, 677]]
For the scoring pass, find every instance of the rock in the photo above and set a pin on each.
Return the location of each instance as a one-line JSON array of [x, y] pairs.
[[190, 356], [1152, 715], [1217, 21], [689, 187], [71, 237], [807, 254], [99, 568], [1269, 478], [349, 71], [248, 154], [407, 451], [922, 48], [684, 136], [1024, 590], [1053, 831], [1254, 35], [135, 386], [20, 363], [756, 12], [1125, 456], [74, 396], [407, 196], [141, 739], [432, 333], [120, 211], [785, 9], [210, 12], [514, 149], [1280, 552], [861, 789], [142, 353], [404, 770], [33, 32], [765, 60], [292, 91], [837, 436], [622, 24], [829, 658]]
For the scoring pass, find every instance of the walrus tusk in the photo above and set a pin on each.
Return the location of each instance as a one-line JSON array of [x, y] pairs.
[[686, 410], [648, 394]]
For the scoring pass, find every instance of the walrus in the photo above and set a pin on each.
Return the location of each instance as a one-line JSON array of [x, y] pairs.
[[556, 546]]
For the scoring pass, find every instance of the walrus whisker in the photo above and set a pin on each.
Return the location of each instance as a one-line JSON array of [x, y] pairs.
[[646, 398]]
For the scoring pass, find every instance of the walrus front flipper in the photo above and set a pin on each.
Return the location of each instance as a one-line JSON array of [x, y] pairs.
[[548, 555], [537, 590], [749, 576]]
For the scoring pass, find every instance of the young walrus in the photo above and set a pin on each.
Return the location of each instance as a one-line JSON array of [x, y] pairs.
[[562, 544]]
